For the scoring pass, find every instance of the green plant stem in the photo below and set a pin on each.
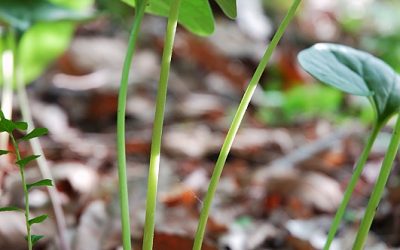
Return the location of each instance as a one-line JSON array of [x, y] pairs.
[[42, 162], [122, 178], [352, 184], [26, 193], [151, 200], [379, 187], [236, 124]]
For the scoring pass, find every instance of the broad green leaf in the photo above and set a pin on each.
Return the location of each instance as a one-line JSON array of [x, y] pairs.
[[4, 152], [24, 161], [37, 132], [47, 29], [194, 15], [355, 72], [41, 183], [10, 209], [22, 14], [35, 238], [41, 44], [21, 125], [228, 7], [38, 219]]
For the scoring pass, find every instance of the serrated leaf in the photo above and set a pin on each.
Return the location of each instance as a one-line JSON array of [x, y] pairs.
[[38, 219], [355, 72], [194, 15], [4, 152], [228, 7], [35, 238], [10, 209], [37, 132], [24, 161], [41, 183]]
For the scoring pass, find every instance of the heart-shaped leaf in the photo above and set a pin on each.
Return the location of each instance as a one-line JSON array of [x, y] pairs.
[[355, 72], [228, 7], [22, 14], [47, 29], [194, 15]]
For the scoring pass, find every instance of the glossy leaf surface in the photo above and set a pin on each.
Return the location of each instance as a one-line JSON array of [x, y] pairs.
[[22, 14], [355, 72], [194, 15], [228, 7]]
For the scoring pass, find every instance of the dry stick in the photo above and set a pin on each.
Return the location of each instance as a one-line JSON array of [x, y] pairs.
[[42, 164], [219, 165]]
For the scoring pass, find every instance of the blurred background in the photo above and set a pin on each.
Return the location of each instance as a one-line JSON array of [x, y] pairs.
[[290, 162]]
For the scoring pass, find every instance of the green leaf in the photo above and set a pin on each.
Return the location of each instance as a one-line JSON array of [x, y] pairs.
[[10, 209], [22, 14], [41, 44], [47, 28], [37, 132], [5, 124], [23, 162], [21, 125], [38, 219], [228, 7], [194, 15], [41, 183], [35, 238], [4, 152], [355, 72]]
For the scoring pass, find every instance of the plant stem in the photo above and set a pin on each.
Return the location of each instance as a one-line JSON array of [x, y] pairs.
[[352, 184], [9, 77], [378, 188], [122, 178], [151, 200], [26, 193], [236, 124], [42, 162]]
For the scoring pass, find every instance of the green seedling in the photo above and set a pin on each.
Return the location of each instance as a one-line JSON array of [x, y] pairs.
[[10, 127], [197, 17], [36, 32], [359, 73]]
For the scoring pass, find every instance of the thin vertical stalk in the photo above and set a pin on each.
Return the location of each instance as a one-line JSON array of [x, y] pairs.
[[378, 188], [236, 124], [9, 77], [352, 184], [151, 200], [122, 178], [42, 162], [26, 193]]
